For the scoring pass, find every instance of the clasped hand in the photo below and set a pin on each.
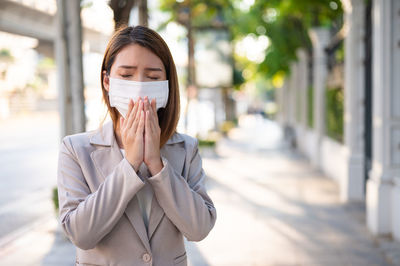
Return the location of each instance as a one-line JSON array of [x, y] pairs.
[[140, 134]]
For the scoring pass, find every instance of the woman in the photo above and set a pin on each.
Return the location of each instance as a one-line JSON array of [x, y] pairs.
[[130, 190]]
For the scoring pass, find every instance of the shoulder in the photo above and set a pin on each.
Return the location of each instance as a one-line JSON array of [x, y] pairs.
[[77, 141], [187, 139], [189, 143]]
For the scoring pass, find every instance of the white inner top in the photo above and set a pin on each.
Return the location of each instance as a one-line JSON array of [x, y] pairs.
[[145, 194]]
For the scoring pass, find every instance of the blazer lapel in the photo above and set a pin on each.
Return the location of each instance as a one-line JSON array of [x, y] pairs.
[[135, 217], [156, 214], [176, 157], [105, 160]]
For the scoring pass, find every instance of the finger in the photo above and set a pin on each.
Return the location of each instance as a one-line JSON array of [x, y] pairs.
[[136, 122], [148, 125], [154, 115], [141, 123], [131, 112], [146, 104], [154, 105], [151, 120], [126, 115], [133, 115]]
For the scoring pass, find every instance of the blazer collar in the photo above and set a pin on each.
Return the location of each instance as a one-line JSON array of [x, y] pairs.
[[105, 136]]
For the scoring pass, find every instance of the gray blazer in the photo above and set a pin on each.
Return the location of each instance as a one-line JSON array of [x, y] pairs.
[[99, 211]]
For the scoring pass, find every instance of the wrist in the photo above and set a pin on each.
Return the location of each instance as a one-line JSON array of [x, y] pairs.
[[155, 166], [135, 166]]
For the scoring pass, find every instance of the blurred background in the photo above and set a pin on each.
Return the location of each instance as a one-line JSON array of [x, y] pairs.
[[295, 105]]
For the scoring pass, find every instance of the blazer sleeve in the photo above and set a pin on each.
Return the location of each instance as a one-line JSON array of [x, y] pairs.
[[87, 217], [185, 202]]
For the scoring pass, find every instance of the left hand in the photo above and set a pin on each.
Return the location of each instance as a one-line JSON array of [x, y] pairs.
[[152, 132]]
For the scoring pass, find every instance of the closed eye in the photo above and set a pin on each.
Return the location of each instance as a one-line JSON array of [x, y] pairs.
[[126, 76], [153, 78]]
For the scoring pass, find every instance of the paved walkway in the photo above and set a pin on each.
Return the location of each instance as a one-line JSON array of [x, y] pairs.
[[272, 209]]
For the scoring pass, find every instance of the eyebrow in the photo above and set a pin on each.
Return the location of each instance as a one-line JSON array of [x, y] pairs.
[[135, 67]]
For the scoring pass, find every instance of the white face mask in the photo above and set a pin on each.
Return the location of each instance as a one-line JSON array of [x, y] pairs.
[[121, 91]]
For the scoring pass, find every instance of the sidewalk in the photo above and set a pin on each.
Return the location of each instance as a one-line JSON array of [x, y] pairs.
[[42, 244], [272, 209]]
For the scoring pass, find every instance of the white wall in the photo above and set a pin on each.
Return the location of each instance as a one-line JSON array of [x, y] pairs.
[[333, 154]]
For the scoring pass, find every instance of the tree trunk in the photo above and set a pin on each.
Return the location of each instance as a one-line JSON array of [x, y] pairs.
[[122, 10], [230, 113], [191, 91], [143, 13]]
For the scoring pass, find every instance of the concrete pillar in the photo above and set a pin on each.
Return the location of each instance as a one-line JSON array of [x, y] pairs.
[[352, 184], [69, 67], [320, 38], [283, 103], [302, 78], [395, 126], [292, 90], [279, 101], [64, 88], [383, 188]]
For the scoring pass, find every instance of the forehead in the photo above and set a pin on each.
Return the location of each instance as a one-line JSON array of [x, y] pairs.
[[136, 55]]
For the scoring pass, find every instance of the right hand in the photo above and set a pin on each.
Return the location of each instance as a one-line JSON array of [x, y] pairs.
[[132, 133]]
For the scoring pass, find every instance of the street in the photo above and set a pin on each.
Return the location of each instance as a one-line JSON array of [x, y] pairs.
[[28, 162]]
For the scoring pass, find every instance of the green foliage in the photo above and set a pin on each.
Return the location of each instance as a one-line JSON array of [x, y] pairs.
[[206, 143], [310, 107], [203, 13], [86, 4], [334, 113], [339, 53], [5, 55], [237, 78], [46, 63], [226, 126], [5, 52], [287, 23], [55, 198]]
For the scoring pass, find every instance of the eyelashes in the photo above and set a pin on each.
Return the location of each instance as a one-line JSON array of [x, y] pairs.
[[128, 76]]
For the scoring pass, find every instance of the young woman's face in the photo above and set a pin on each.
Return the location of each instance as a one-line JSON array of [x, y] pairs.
[[136, 63]]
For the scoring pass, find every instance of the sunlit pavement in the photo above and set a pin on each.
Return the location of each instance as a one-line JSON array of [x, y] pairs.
[[272, 208], [28, 160]]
